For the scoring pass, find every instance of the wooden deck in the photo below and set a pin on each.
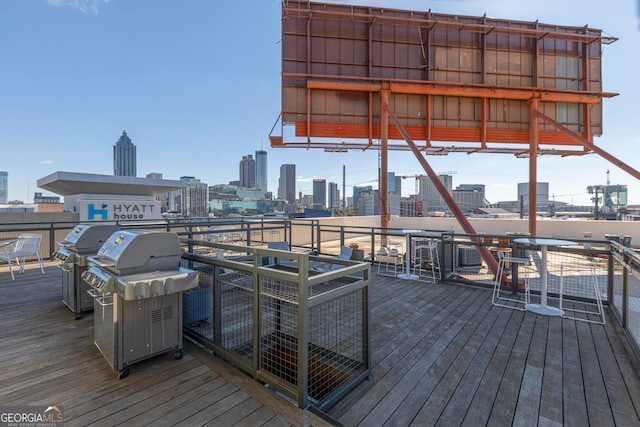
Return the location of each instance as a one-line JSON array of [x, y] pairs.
[[48, 358], [441, 354], [444, 355]]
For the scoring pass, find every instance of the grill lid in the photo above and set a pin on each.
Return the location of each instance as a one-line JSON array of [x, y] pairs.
[[128, 252], [87, 239]]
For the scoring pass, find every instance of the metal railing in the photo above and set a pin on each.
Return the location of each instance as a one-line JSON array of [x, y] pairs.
[[618, 269]]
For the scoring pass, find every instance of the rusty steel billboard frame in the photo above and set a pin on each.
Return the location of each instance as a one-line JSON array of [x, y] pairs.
[[451, 83]]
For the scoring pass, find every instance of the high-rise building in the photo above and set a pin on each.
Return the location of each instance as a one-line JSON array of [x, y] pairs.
[[320, 193], [542, 192], [394, 183], [162, 198], [334, 196], [262, 177], [542, 196], [469, 197], [194, 198], [124, 157], [248, 172], [287, 183], [356, 194], [429, 194], [4, 187]]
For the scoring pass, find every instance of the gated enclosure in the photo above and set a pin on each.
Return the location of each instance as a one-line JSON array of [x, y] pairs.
[[297, 322]]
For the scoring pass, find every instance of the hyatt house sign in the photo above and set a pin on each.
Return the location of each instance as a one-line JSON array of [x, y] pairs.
[[118, 210]]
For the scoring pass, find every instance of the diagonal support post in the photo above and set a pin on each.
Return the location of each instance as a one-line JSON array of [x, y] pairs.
[[591, 146], [453, 206]]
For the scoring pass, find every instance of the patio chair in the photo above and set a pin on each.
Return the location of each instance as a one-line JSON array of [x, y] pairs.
[[25, 245], [426, 259], [344, 255], [497, 284], [281, 246], [589, 274], [390, 260]]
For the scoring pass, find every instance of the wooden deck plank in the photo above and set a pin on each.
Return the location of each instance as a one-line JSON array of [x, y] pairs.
[[405, 341], [236, 414], [550, 412], [619, 382], [147, 399], [215, 411], [480, 408], [528, 404], [575, 406], [52, 360], [444, 376], [424, 333], [177, 401], [491, 331], [259, 417], [425, 358]]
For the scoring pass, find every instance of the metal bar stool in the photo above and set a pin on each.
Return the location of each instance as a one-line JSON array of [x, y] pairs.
[[515, 262], [390, 261], [599, 312], [426, 258]]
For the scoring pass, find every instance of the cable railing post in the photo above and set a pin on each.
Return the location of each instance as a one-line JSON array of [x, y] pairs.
[[52, 239], [625, 291], [318, 236], [373, 245]]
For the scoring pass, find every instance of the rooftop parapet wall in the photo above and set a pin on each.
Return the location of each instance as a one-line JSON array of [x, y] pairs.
[[565, 229]]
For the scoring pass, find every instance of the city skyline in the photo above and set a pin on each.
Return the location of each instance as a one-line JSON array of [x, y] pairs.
[[184, 97]]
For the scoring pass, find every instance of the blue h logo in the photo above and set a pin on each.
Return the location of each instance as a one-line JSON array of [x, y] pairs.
[[104, 213]]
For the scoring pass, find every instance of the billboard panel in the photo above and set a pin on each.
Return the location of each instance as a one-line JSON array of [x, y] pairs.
[[453, 79]]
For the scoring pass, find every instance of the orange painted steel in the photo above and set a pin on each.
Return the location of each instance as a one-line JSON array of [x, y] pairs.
[[534, 130], [384, 162], [622, 165], [464, 90], [435, 180], [438, 133]]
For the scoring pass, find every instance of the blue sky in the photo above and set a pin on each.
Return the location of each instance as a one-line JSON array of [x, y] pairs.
[[196, 85]]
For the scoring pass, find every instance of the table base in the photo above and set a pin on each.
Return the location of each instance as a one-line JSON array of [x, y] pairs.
[[408, 276], [546, 310]]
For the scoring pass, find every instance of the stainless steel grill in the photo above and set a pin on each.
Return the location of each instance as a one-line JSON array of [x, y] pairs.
[[137, 286], [84, 240]]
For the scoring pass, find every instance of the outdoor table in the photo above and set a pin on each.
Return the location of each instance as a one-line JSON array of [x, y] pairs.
[[407, 256], [543, 308]]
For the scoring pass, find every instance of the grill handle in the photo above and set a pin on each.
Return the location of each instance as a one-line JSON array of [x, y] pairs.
[[66, 267], [101, 301], [93, 293]]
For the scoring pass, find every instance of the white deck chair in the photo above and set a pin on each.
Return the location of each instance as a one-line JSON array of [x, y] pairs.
[[25, 245], [345, 254]]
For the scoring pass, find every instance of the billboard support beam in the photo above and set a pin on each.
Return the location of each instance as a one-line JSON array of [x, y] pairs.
[[534, 127], [453, 206], [384, 161], [622, 165], [457, 89]]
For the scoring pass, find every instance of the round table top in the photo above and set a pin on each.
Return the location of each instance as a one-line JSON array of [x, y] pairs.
[[541, 241]]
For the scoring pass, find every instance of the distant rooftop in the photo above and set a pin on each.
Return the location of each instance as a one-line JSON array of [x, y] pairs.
[[71, 183]]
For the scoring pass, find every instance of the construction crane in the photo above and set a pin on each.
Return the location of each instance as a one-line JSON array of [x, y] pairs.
[[416, 177]]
